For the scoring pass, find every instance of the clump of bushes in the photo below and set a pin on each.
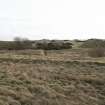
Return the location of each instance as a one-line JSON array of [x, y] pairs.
[[24, 43], [96, 52], [53, 45]]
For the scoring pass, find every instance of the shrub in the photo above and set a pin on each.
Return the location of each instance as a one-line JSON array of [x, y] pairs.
[[53, 45], [96, 52], [41, 45]]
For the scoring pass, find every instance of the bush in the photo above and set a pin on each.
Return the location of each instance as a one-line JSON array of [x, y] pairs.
[[96, 52], [54, 45]]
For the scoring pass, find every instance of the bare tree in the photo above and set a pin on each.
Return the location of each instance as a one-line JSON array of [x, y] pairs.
[[21, 43]]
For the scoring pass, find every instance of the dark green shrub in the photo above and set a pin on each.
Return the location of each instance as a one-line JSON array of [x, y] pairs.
[[53, 45]]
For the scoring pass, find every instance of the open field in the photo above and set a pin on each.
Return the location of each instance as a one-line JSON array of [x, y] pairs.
[[61, 77]]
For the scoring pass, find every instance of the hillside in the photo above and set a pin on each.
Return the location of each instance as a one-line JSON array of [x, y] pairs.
[[93, 43]]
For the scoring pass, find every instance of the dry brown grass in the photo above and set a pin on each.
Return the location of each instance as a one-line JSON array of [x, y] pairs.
[[56, 79]]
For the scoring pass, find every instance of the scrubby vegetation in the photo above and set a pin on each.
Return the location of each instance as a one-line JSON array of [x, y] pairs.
[[54, 74], [93, 43], [23, 43], [96, 47], [51, 83], [53, 45]]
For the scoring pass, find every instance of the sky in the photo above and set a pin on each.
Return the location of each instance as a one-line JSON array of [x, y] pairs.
[[52, 19]]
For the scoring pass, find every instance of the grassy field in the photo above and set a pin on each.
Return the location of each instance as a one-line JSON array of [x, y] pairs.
[[61, 77]]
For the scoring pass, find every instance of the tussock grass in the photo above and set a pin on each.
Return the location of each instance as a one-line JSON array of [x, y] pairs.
[[36, 81]]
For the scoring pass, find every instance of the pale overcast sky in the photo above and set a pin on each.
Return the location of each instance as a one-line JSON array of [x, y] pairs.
[[52, 19]]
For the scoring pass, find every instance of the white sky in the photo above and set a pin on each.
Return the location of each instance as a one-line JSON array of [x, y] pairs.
[[52, 19]]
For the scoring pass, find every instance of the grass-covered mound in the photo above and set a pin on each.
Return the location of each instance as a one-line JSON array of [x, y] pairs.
[[93, 43]]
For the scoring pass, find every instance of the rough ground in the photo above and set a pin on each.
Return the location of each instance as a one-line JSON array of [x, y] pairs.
[[59, 78]]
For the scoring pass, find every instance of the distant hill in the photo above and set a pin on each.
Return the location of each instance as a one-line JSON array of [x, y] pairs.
[[93, 43]]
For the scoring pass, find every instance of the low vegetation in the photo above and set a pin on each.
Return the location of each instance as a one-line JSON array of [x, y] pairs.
[[93, 43], [96, 52], [52, 83], [51, 74], [53, 45], [24, 43]]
